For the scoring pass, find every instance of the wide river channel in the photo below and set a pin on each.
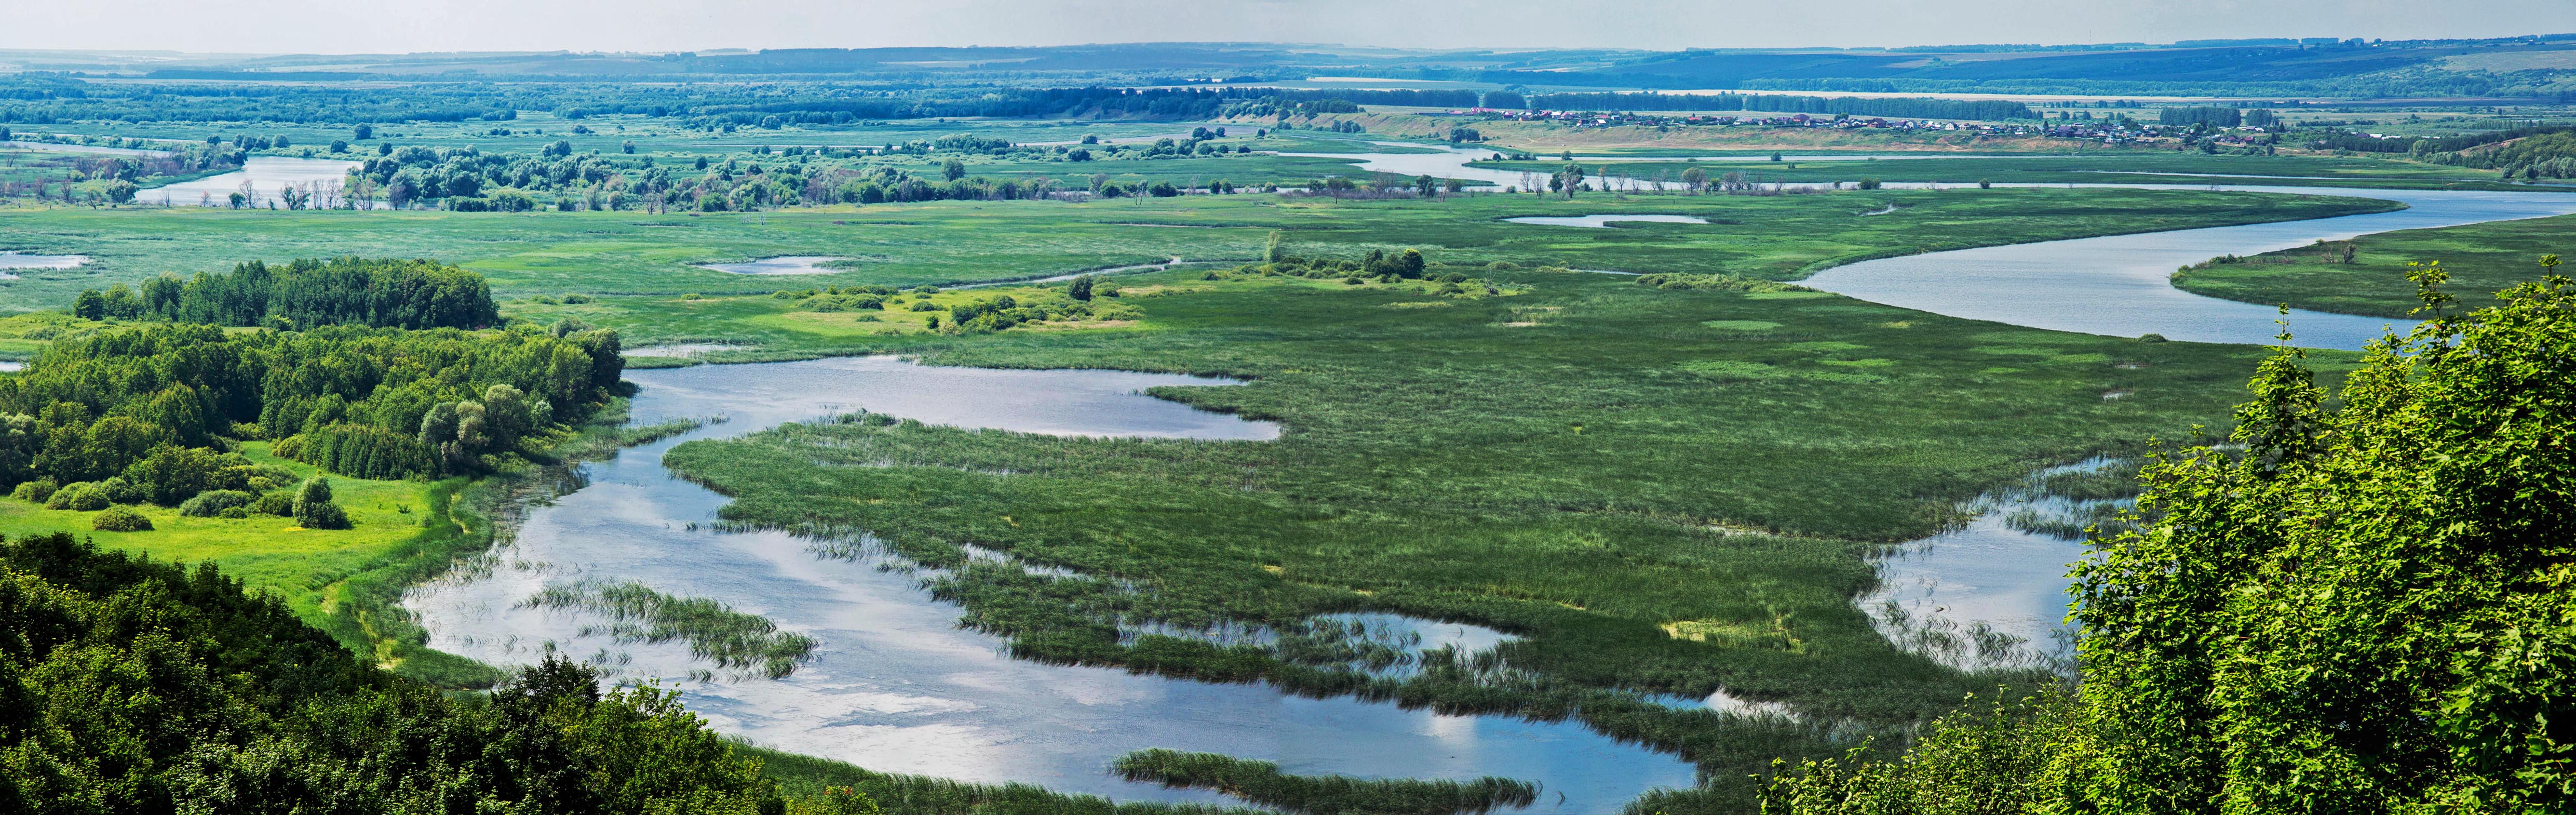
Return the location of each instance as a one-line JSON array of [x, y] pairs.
[[896, 686]]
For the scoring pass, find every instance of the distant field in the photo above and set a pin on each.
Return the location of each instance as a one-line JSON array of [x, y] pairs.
[[1776, 237], [2108, 167]]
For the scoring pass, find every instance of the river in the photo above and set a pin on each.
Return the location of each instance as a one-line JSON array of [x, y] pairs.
[[2117, 285], [896, 686]]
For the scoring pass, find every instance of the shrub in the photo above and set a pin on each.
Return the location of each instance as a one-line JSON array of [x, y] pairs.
[[120, 519], [37, 491], [80, 496], [280, 503], [321, 516], [212, 503], [313, 507]]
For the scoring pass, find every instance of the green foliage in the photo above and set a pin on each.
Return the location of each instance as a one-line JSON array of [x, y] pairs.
[[135, 686], [1261, 782], [313, 508], [2355, 607], [147, 401], [120, 519], [212, 503], [412, 294], [79, 496]]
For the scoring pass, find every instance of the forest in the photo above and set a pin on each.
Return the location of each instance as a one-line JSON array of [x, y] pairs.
[[306, 293], [129, 685], [150, 412]]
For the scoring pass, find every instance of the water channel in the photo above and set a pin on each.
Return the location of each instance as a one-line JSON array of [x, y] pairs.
[[895, 685], [266, 177]]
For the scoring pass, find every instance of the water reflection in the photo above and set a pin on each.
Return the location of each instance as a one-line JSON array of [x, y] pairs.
[[896, 685]]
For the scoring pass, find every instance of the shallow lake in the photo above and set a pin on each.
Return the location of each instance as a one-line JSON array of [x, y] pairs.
[[784, 265], [1604, 221], [266, 175], [895, 685]]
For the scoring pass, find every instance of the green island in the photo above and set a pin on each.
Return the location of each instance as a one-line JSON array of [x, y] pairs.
[[1615, 499]]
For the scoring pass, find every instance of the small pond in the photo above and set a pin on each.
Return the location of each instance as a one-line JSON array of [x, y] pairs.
[[782, 265], [895, 685], [13, 260], [1604, 221]]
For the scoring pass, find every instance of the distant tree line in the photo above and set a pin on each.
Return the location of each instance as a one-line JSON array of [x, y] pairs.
[[2211, 116], [381, 293], [2426, 145], [1982, 109]]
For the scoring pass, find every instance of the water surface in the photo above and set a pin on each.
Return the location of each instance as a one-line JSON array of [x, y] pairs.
[[2120, 285], [1604, 221], [896, 685], [783, 265], [14, 260], [266, 176]]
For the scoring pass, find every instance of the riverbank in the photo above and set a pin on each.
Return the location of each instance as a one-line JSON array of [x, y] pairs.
[[2481, 259]]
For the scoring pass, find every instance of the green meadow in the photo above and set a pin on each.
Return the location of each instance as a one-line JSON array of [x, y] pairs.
[[626, 253]]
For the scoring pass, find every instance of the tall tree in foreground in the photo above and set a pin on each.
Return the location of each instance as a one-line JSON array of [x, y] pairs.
[[2358, 607]]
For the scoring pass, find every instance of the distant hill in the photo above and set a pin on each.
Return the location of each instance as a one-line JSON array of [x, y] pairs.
[[2514, 67]]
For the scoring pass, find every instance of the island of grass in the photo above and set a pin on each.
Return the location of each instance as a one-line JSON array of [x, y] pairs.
[[2367, 275]]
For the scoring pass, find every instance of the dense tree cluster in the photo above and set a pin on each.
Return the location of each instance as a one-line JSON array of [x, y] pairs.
[[130, 686], [415, 173], [146, 413], [2547, 155], [2358, 605], [382, 293], [2211, 116]]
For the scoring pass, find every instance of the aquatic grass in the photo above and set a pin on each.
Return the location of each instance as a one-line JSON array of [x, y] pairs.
[[1261, 782], [715, 632], [807, 777], [1579, 490]]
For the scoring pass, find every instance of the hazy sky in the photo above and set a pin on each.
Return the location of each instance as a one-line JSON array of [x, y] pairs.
[[340, 26]]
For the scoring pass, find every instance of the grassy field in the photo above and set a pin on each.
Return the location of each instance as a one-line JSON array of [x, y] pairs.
[[343, 581], [1592, 464], [2482, 259], [624, 253]]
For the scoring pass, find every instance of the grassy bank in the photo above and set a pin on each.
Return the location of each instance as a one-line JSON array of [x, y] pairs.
[[1591, 464], [809, 778], [2482, 258], [1262, 783]]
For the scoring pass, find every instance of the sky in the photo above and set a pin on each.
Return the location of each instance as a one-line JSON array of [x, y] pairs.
[[340, 26]]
